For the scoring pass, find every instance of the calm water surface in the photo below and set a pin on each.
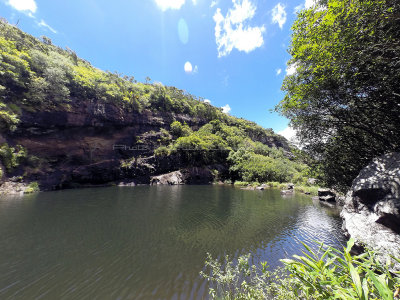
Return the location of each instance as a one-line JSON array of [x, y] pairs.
[[146, 242]]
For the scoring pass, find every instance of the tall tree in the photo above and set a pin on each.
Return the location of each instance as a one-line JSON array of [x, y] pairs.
[[344, 97]]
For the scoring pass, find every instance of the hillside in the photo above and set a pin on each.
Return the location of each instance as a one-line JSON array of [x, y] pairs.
[[65, 123]]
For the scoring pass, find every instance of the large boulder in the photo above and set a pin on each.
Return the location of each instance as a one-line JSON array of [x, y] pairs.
[[371, 212], [195, 175]]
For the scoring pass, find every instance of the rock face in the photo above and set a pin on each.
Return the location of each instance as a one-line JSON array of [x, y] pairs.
[[94, 143], [371, 212]]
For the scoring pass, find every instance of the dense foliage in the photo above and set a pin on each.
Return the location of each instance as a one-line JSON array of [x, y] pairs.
[[326, 274], [248, 160], [344, 98]]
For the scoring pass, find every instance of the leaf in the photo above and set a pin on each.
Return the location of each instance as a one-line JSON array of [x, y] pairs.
[[350, 245], [356, 280], [382, 287]]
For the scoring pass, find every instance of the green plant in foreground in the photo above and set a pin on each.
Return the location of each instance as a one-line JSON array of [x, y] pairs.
[[326, 274]]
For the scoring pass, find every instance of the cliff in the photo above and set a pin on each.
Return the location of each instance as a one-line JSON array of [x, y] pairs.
[[65, 123]]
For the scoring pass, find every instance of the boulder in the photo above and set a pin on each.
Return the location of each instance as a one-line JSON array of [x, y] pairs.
[[195, 175], [173, 178], [326, 195], [371, 211]]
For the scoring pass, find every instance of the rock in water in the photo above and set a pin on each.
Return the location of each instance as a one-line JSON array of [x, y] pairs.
[[371, 212], [326, 195]]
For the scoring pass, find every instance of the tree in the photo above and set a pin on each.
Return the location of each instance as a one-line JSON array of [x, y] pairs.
[[344, 97]]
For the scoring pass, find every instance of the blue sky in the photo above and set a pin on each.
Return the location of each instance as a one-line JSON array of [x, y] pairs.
[[232, 52]]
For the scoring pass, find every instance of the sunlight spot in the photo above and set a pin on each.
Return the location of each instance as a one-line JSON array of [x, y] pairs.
[[188, 67], [183, 31]]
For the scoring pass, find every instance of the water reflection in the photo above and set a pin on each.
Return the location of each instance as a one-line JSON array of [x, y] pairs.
[[145, 242]]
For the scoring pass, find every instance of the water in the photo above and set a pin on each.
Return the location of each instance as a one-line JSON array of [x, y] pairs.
[[146, 242]]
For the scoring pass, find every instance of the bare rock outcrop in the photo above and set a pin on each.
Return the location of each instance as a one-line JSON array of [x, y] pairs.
[[371, 212], [195, 175]]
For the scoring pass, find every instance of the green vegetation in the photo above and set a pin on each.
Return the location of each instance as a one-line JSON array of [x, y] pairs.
[[326, 274], [248, 159], [344, 96], [12, 157], [33, 187], [36, 75]]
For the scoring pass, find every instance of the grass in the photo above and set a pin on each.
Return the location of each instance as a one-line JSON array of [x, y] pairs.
[[310, 190]]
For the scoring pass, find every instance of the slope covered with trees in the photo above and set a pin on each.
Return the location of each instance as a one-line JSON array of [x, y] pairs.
[[64, 122], [344, 98]]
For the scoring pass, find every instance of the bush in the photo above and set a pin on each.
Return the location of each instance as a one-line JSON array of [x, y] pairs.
[[33, 187], [326, 274], [178, 130], [12, 157]]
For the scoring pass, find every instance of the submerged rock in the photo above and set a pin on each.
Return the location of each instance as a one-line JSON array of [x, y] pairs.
[[287, 192], [371, 212]]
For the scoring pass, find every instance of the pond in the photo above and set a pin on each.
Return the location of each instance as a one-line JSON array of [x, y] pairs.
[[146, 242]]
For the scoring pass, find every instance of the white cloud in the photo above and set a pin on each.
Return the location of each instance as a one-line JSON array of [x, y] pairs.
[[169, 4], [291, 69], [309, 3], [42, 23], [232, 32], [194, 2], [290, 134], [207, 101], [279, 15], [213, 3], [226, 109], [298, 8], [278, 72], [28, 6], [306, 5]]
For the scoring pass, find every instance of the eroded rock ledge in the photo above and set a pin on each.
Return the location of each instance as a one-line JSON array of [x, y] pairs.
[[371, 214]]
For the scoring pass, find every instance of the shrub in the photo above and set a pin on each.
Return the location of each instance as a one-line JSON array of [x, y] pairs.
[[12, 157], [33, 187]]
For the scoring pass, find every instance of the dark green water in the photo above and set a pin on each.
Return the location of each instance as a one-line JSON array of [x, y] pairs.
[[145, 242]]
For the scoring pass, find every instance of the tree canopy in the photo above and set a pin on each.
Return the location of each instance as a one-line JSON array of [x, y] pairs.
[[344, 97]]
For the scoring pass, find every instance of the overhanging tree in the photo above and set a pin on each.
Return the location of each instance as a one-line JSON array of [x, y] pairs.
[[344, 98]]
